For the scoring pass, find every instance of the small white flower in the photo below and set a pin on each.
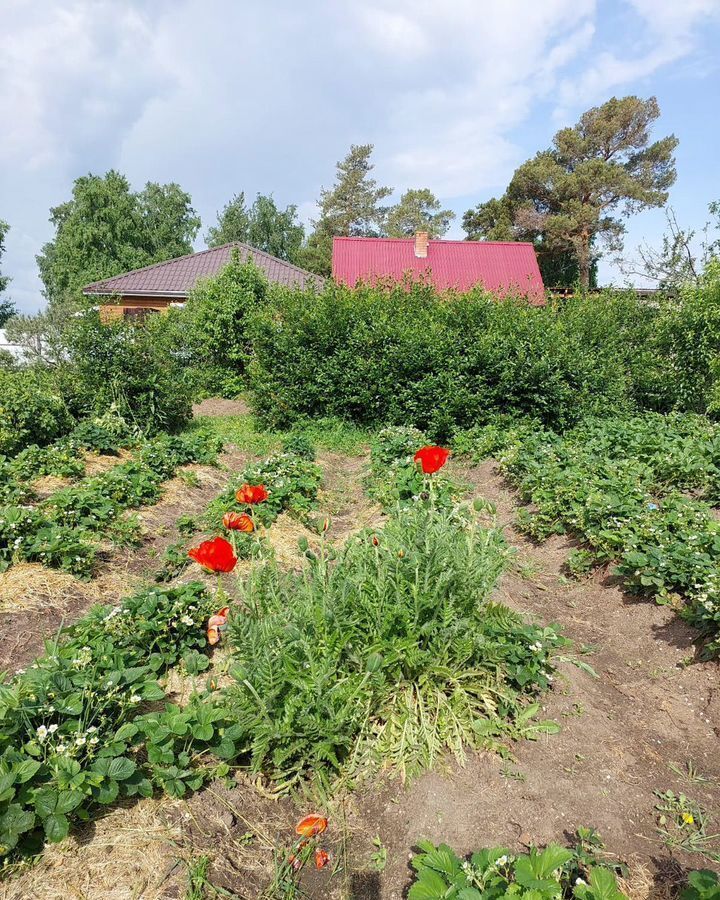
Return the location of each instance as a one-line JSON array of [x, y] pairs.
[[186, 620], [136, 698], [53, 728], [580, 881], [42, 733], [501, 860], [80, 740]]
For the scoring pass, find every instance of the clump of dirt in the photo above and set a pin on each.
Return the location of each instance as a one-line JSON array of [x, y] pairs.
[[241, 829]]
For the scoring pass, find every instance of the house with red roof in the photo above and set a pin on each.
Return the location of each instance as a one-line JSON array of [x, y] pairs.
[[503, 268], [157, 287]]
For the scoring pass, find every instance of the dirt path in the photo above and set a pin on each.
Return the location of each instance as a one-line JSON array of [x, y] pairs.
[[648, 709]]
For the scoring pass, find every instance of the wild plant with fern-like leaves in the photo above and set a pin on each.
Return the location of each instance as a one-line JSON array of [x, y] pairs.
[[391, 653]]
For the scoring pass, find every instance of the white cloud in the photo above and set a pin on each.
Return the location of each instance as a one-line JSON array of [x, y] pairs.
[[259, 96], [71, 74], [665, 34]]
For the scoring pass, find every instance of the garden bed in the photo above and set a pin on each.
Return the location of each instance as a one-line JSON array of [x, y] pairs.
[[649, 722]]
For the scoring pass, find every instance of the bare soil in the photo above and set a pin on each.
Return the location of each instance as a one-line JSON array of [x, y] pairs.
[[654, 704], [217, 406]]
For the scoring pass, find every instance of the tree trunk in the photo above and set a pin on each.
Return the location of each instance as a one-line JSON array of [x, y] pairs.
[[584, 261]]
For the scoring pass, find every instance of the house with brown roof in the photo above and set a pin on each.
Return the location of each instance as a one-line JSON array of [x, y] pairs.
[[156, 288]]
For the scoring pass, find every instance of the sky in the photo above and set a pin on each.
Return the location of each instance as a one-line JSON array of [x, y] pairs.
[[224, 96]]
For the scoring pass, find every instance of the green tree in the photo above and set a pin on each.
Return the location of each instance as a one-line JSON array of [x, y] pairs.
[[276, 231], [232, 223], [263, 226], [418, 210], [7, 307], [493, 221], [107, 229], [574, 195], [210, 332], [350, 208]]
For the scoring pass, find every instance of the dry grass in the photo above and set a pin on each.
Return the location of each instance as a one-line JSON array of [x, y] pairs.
[[95, 463], [129, 854], [30, 586], [47, 485], [283, 536], [641, 884]]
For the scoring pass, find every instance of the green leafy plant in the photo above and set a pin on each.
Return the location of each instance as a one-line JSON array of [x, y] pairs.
[[622, 485], [548, 874], [291, 481], [702, 885], [72, 724], [392, 653]]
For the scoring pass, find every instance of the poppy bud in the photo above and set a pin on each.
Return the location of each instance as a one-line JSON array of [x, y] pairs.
[[375, 540], [401, 554]]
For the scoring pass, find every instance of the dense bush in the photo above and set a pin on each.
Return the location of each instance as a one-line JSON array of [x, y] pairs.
[[211, 331], [387, 355], [126, 368], [32, 409]]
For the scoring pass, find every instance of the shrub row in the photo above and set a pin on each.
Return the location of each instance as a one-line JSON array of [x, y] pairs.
[[380, 356]]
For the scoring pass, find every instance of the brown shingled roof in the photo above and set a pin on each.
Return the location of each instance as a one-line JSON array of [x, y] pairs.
[[177, 277]]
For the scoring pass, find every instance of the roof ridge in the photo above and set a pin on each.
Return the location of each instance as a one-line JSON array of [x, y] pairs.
[[409, 240], [165, 262]]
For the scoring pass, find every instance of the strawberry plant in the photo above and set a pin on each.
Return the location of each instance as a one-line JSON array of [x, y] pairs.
[[292, 483], [72, 725], [550, 874], [630, 489]]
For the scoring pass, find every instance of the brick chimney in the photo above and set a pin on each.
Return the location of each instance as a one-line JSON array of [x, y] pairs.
[[421, 244]]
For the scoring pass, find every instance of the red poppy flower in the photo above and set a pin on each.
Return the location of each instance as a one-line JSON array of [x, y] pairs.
[[311, 825], [238, 522], [432, 459], [322, 858], [216, 555], [252, 493]]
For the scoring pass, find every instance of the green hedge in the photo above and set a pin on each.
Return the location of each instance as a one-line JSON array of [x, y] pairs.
[[380, 356]]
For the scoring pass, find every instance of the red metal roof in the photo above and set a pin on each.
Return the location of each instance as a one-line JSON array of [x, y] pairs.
[[177, 277], [500, 267]]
